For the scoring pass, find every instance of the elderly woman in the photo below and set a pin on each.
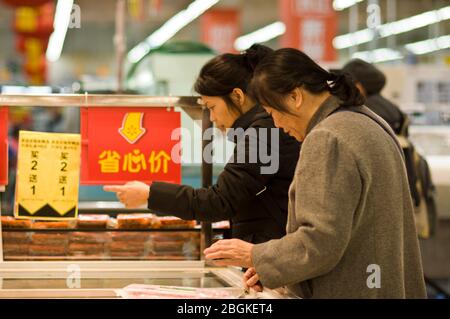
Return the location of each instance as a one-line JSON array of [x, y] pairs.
[[350, 230]]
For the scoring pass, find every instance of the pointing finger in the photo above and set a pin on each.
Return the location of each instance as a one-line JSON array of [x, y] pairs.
[[113, 188]]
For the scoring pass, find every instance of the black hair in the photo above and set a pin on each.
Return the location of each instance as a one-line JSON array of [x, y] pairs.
[[286, 69], [225, 72]]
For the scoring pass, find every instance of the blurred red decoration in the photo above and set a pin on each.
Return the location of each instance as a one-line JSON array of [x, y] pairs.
[[25, 3], [37, 66], [35, 22], [20, 43], [33, 25]]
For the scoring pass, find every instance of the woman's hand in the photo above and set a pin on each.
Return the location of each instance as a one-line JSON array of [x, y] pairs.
[[251, 280], [231, 252], [132, 194]]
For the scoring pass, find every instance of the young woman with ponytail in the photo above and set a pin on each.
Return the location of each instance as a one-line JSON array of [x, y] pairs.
[[351, 231], [255, 203]]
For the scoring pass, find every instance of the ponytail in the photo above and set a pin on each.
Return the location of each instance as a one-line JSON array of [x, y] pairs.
[[343, 86], [253, 55]]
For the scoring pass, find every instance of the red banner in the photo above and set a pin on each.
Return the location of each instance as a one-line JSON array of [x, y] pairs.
[[3, 146], [220, 28], [27, 3], [125, 144], [311, 26]]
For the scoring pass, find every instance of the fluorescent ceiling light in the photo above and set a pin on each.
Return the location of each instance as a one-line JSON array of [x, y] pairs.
[[264, 34], [391, 28], [418, 48], [378, 55], [60, 25], [339, 5], [170, 28], [428, 46]]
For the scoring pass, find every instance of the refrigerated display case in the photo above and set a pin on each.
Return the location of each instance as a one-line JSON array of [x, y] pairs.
[[108, 279], [95, 257]]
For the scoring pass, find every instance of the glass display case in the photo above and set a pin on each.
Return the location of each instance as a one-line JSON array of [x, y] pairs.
[[105, 250], [110, 279]]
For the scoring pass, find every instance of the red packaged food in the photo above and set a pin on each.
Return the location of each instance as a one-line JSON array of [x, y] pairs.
[[175, 222], [92, 221], [53, 225], [126, 254], [171, 236], [130, 236], [89, 237], [48, 250], [134, 221], [87, 248], [11, 222], [127, 246], [15, 237], [49, 238], [15, 249], [168, 246]]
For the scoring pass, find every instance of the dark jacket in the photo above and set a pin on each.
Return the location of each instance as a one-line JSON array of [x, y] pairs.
[[373, 81], [255, 203]]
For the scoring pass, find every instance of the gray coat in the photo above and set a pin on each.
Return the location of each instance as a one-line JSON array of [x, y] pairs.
[[351, 231]]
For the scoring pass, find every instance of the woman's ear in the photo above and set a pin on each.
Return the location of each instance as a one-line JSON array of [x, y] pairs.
[[296, 97], [361, 89], [238, 96]]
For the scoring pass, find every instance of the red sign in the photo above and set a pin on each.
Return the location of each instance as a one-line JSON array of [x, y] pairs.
[[3, 146], [125, 144], [310, 26], [220, 28]]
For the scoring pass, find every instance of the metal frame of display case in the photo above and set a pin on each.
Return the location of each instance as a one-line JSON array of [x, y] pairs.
[[231, 276], [187, 103]]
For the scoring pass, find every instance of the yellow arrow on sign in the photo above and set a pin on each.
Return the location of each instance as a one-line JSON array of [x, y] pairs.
[[132, 129]]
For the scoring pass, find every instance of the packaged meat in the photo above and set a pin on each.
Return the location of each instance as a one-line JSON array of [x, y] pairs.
[[89, 237], [119, 246], [175, 222], [130, 236], [15, 249], [49, 238], [126, 254], [48, 250], [171, 236], [10, 237], [86, 248], [168, 246], [221, 225], [53, 225], [112, 223], [134, 221], [92, 221], [11, 222]]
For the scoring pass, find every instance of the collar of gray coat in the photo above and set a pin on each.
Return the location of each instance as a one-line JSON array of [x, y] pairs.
[[328, 106]]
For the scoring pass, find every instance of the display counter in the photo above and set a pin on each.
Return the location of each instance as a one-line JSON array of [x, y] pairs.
[[106, 279], [110, 252]]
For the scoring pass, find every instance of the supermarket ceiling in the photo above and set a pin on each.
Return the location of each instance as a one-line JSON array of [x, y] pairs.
[[98, 22]]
